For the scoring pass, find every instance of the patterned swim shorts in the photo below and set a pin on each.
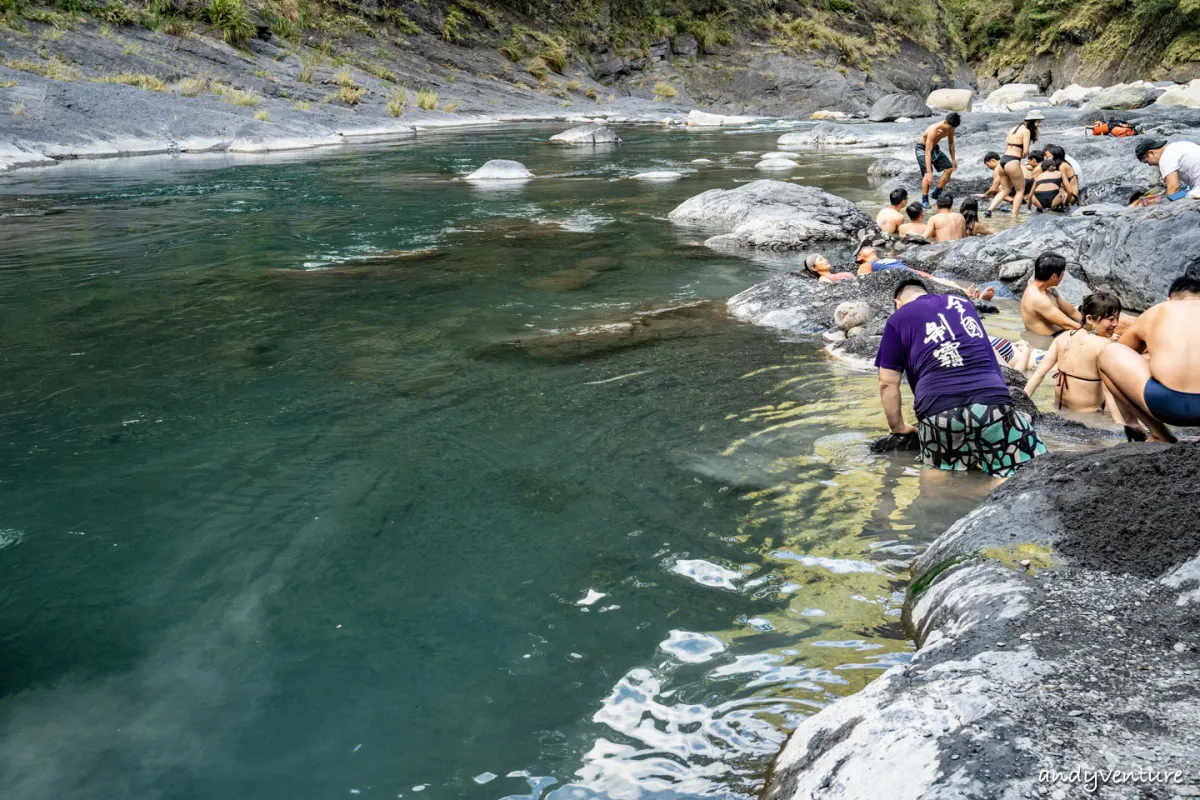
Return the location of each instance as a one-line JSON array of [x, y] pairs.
[[995, 438]]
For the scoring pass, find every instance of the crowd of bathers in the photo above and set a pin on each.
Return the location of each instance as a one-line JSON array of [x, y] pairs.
[[1143, 371]]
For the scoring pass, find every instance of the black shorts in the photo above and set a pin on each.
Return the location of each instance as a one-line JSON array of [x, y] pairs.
[[941, 162]]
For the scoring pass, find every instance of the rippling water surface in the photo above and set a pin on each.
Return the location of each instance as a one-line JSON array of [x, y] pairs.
[[284, 516]]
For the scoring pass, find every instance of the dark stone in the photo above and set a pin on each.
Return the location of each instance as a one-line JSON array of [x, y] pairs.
[[685, 45], [894, 106]]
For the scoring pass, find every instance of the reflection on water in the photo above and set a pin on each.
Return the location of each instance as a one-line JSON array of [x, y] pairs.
[[287, 514]]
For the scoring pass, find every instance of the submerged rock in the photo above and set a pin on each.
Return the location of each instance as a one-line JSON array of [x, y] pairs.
[[890, 107], [772, 215], [500, 169], [660, 175], [1049, 618], [586, 134]]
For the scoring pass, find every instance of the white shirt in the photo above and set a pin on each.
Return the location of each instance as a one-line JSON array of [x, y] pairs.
[[1184, 158], [1078, 173]]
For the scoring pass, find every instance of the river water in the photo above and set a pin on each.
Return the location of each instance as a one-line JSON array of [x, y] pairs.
[[283, 516]]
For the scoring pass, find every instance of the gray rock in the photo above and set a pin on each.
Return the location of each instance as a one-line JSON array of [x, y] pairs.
[[950, 99], [685, 45], [500, 169], [858, 330], [772, 215], [1125, 96], [1015, 270], [586, 134], [851, 314], [892, 106], [658, 175]]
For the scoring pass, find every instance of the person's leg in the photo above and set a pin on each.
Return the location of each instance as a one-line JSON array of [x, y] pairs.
[[1006, 189], [945, 178], [1114, 410], [1021, 355], [942, 437], [1004, 440], [1016, 179], [1125, 374]]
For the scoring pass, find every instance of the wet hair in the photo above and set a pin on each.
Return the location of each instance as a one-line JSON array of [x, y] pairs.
[[1100, 305], [1032, 126], [1047, 265], [991, 156], [953, 119], [914, 210], [911, 283], [946, 201], [1056, 152], [1049, 165], [898, 196], [969, 208], [1037, 155], [1187, 283]]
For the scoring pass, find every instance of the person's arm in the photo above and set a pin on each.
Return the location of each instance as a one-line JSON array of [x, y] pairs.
[[1134, 337], [1048, 362], [981, 230], [929, 230], [1172, 181], [889, 398], [1065, 306], [994, 189], [1026, 142], [1049, 311], [950, 144], [928, 152]]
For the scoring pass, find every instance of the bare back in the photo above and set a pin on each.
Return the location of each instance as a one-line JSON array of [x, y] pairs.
[[1079, 388], [947, 226], [932, 135], [912, 229], [1170, 332], [889, 220], [1041, 312]]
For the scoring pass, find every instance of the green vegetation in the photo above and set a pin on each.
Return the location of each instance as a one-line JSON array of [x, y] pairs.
[[427, 100], [55, 69], [236, 97], [18, 109], [454, 25], [397, 102], [664, 91], [148, 83], [193, 87], [231, 18], [262, 116]]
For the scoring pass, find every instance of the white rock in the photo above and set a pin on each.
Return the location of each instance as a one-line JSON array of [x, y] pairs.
[[829, 115], [1125, 96], [702, 161], [660, 175], [703, 119], [586, 134], [1187, 94], [1033, 102], [1074, 95], [784, 154], [499, 169], [851, 314], [1011, 93], [902, 120], [775, 164], [950, 99]]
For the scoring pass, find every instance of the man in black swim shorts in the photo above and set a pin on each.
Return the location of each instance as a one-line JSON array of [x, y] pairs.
[[931, 159]]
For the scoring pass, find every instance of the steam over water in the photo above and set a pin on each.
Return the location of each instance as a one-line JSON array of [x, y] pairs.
[[283, 516]]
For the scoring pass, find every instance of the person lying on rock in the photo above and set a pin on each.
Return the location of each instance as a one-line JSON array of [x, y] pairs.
[[818, 266], [868, 261], [931, 159], [1078, 385], [1043, 311], [1016, 146], [947, 224], [965, 415], [1178, 162], [916, 221], [969, 208], [1163, 389], [1050, 187], [891, 218], [1019, 355]]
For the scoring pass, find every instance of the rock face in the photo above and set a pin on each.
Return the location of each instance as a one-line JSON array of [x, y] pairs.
[[1132, 253], [1125, 96], [1011, 93], [703, 119], [850, 315], [500, 169], [772, 215], [1074, 95], [685, 45], [892, 106], [586, 134], [1045, 641], [950, 99], [1187, 94]]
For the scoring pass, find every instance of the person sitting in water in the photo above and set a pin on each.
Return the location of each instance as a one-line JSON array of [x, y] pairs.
[[1163, 389], [931, 159], [947, 224], [1049, 187], [916, 221], [965, 415], [1016, 146], [868, 261], [1019, 355], [818, 266], [1078, 385], [1042, 309], [969, 208], [1178, 162], [891, 218], [1067, 166]]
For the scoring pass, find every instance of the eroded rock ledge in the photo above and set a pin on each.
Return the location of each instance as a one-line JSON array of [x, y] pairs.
[[1057, 628]]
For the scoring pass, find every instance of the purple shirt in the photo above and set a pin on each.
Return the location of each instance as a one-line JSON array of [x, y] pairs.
[[939, 342]]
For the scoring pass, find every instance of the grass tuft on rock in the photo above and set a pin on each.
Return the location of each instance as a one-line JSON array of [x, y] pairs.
[[231, 18], [397, 103], [427, 100], [664, 91], [262, 116], [236, 97], [148, 83]]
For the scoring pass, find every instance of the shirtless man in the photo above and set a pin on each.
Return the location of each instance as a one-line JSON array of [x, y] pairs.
[[1042, 310], [930, 157], [916, 224], [891, 218], [947, 224], [1166, 387]]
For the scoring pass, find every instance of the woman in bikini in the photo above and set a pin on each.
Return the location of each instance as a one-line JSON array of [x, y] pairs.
[[969, 208], [818, 266], [1016, 146], [1077, 385], [1049, 187], [1070, 178]]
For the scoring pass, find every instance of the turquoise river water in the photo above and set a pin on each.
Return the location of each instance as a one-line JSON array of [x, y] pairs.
[[283, 515]]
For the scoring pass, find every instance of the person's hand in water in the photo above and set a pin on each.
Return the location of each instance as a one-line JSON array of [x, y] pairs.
[[905, 430]]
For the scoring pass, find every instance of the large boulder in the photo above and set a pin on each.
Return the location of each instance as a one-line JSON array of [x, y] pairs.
[[500, 169], [1186, 94], [1074, 96], [685, 44], [893, 106], [851, 314], [703, 119], [1011, 93], [1133, 253], [950, 99], [772, 215], [1055, 625], [586, 134], [829, 134], [1125, 96]]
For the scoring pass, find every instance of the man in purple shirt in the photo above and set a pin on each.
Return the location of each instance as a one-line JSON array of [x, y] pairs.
[[964, 411]]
